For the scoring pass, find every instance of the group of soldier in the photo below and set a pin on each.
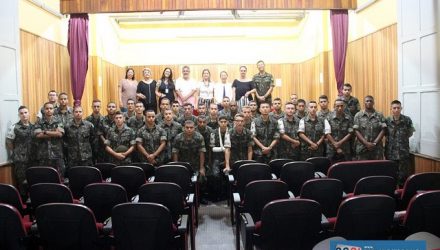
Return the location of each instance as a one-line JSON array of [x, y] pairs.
[[209, 139]]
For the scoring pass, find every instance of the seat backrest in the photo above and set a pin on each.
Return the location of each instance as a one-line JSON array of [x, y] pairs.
[[290, 224], [277, 164], [423, 214], [350, 172], [251, 172], [378, 184], [295, 174], [79, 177], [258, 193], [105, 168], [148, 168], [175, 174], [166, 193], [321, 163], [131, 178], [9, 195], [187, 165], [365, 217], [66, 226], [326, 191], [419, 182], [36, 175], [237, 164], [44, 193], [142, 225], [102, 197], [12, 230]]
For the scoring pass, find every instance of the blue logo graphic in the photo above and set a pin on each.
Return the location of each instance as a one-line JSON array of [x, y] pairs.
[[378, 245]]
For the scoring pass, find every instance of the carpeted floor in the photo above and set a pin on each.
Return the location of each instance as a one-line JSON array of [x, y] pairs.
[[215, 230]]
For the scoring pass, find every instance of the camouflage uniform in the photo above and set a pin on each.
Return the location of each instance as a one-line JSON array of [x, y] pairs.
[[324, 114], [20, 136], [188, 150], [106, 124], [212, 123], [120, 141], [216, 180], [265, 132], [289, 128], [276, 116], [172, 131], [299, 115], [340, 128], [50, 151], [263, 84], [136, 124], [369, 126], [182, 119], [78, 139], [397, 144], [314, 130], [352, 106], [65, 117], [128, 115], [206, 133], [150, 138], [97, 145], [239, 144]]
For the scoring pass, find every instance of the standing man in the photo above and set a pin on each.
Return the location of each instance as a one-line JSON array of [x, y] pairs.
[[163, 105], [96, 119], [277, 113], [64, 112], [206, 132], [352, 105], [399, 129], [324, 111], [289, 147], [131, 109], [370, 127], [189, 146], [120, 141], [172, 128], [186, 88], [341, 124], [247, 114], [263, 83], [301, 109], [266, 135], [241, 143], [79, 137], [188, 111], [49, 132], [312, 131], [137, 121], [52, 97], [151, 140], [294, 99], [19, 144], [212, 119]]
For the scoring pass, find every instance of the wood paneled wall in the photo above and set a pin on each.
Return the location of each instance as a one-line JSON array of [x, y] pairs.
[[45, 66], [99, 6], [424, 163]]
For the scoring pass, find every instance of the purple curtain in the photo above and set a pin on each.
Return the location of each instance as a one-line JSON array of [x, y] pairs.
[[339, 22], [78, 47]]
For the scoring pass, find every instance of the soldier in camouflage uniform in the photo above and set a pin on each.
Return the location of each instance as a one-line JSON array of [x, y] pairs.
[[211, 120], [177, 110], [276, 113], [264, 84], [131, 109], [108, 121], [369, 126], [52, 97], [206, 132], [172, 128], [254, 107], [301, 109], [247, 114], [120, 141], [341, 124], [79, 136], [49, 132], [189, 146], [151, 140], [266, 135], [352, 105], [399, 129], [226, 108], [324, 111], [312, 131], [96, 119], [164, 105], [242, 143], [19, 143], [64, 113], [187, 114], [289, 145], [136, 122]]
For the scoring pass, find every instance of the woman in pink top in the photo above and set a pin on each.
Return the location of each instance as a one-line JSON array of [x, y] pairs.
[[127, 89]]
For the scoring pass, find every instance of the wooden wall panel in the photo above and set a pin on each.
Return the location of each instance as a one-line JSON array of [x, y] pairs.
[[99, 6], [45, 66], [425, 163], [6, 174]]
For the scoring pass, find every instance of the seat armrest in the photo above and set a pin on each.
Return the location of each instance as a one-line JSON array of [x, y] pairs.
[[107, 228], [247, 219], [231, 178], [325, 223], [135, 199], [190, 199], [291, 195], [320, 175], [183, 226], [274, 177], [399, 215], [344, 195], [194, 178], [151, 179], [66, 181], [237, 199]]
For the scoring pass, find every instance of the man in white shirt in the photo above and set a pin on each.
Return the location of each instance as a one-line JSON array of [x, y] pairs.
[[186, 88], [222, 89]]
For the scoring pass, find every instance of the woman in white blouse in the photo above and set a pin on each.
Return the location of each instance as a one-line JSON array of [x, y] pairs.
[[205, 91]]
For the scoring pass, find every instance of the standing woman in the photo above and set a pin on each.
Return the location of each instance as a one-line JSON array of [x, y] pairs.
[[127, 89], [146, 91], [165, 87], [243, 88], [205, 91]]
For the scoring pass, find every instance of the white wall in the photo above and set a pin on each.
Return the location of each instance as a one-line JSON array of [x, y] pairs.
[[10, 94], [419, 69]]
